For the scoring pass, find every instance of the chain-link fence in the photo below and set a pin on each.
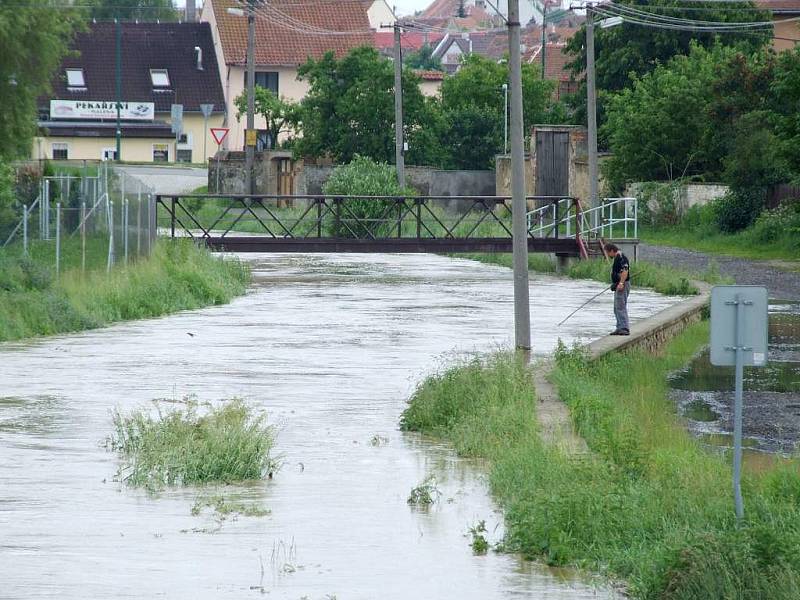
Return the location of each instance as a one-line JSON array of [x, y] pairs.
[[77, 220]]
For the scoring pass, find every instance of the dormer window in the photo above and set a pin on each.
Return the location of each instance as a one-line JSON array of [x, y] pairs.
[[75, 80], [160, 78]]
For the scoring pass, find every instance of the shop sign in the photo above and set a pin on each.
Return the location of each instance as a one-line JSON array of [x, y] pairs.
[[94, 110]]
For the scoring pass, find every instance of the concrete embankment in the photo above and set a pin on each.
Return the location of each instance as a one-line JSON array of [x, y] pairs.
[[648, 335]]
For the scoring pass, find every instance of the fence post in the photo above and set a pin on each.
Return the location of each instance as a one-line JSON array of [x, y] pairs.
[[83, 236], [152, 219], [58, 239], [110, 216], [419, 218], [25, 229], [125, 226], [139, 221], [46, 210]]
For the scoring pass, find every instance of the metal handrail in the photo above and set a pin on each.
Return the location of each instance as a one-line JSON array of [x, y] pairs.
[[600, 221]]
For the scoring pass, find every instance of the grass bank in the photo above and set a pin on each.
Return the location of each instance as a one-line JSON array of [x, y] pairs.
[[648, 506], [745, 244], [177, 276], [664, 280]]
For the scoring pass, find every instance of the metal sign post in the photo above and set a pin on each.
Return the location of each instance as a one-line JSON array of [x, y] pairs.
[[739, 337], [206, 109], [219, 134]]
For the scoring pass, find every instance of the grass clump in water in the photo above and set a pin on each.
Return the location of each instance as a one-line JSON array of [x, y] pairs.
[[224, 508], [425, 494], [648, 505], [182, 446], [480, 545]]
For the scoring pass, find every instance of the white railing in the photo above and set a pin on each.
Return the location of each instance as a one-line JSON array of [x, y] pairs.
[[615, 218], [555, 219]]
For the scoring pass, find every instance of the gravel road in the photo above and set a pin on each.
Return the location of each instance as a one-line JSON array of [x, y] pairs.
[[782, 285]]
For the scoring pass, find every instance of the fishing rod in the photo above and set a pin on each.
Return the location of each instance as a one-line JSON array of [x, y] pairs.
[[590, 300]]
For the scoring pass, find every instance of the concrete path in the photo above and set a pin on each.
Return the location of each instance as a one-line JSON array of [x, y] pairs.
[[783, 284], [553, 415], [167, 180]]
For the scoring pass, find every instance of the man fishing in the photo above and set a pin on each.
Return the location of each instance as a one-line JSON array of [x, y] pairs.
[[621, 286]]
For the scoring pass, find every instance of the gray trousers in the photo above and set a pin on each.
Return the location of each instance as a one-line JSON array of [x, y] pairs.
[[621, 307]]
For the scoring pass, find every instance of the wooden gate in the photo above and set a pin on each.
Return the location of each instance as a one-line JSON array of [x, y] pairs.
[[552, 163]]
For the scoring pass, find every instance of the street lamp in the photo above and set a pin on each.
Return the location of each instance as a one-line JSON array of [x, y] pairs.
[[505, 137], [249, 136]]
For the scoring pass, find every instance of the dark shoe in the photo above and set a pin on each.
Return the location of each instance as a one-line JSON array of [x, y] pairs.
[[623, 332], [615, 332]]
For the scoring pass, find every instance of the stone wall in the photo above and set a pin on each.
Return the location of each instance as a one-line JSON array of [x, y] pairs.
[[686, 195]]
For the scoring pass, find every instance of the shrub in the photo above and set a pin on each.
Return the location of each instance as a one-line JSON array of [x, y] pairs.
[[659, 203], [782, 222], [360, 217], [738, 209]]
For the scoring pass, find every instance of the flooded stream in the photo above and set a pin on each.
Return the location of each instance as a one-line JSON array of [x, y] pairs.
[[331, 346]]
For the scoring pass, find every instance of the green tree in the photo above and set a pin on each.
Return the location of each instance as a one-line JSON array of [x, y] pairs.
[[144, 10], [659, 127], [33, 38], [627, 52], [349, 110], [784, 101], [280, 114], [423, 59], [473, 110]]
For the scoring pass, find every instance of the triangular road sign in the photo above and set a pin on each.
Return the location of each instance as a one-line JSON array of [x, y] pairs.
[[219, 134]]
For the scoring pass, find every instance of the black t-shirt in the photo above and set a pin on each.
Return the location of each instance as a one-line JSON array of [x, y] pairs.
[[620, 264]]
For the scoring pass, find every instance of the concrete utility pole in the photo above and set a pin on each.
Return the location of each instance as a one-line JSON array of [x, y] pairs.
[[591, 106], [522, 313], [118, 61], [250, 134], [399, 138]]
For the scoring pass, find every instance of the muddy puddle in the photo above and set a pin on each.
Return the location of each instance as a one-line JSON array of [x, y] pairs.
[[771, 419], [331, 346]]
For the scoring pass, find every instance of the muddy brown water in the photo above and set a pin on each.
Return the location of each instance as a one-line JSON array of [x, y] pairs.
[[771, 398], [331, 346]]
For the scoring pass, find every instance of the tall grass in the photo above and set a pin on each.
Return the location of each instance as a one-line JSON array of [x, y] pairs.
[[181, 446], [649, 505], [662, 279], [177, 276]]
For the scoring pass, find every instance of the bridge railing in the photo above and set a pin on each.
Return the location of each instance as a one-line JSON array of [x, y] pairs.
[[359, 217]]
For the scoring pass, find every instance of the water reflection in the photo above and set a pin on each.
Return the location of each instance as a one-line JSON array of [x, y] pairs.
[[331, 346]]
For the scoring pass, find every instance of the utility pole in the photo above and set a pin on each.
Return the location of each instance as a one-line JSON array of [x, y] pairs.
[[399, 138], [522, 313], [250, 135], [591, 106], [544, 37], [119, 86]]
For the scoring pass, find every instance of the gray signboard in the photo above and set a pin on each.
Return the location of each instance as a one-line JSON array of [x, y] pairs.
[[754, 328]]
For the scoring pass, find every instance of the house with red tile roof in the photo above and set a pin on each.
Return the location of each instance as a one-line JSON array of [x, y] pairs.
[[288, 33]]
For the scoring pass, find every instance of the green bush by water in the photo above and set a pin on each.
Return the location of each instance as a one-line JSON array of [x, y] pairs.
[[664, 280], [177, 276], [648, 505], [182, 446]]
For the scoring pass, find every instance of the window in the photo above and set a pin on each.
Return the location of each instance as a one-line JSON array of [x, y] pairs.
[[183, 155], [75, 79], [160, 78], [184, 139], [109, 154], [160, 152], [60, 151], [263, 140], [266, 79]]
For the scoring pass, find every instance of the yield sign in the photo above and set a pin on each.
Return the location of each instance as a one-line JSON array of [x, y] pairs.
[[219, 134]]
